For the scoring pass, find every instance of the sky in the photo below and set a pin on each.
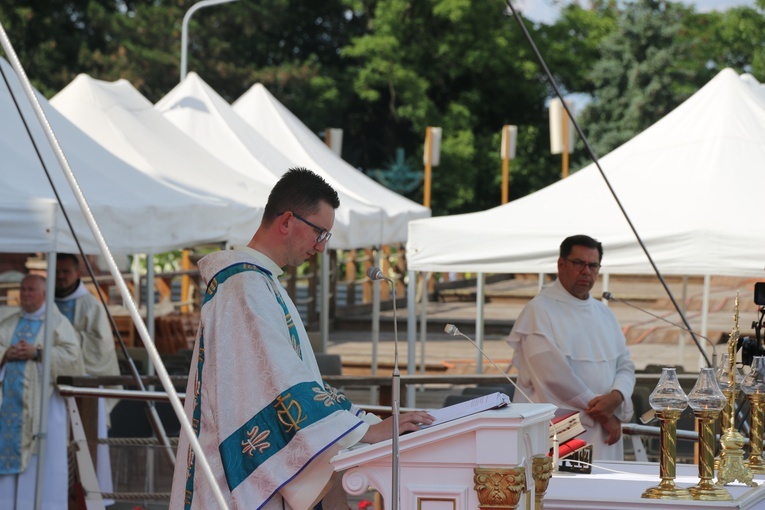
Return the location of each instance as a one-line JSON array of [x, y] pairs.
[[545, 11]]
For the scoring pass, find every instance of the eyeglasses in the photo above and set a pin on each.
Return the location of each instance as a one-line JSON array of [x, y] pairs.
[[324, 234], [579, 265]]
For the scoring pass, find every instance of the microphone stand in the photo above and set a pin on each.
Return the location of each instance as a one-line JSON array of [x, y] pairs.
[[451, 329], [396, 390], [375, 274]]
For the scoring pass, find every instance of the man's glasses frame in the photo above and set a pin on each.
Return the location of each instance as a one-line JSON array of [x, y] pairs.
[[324, 234], [581, 264]]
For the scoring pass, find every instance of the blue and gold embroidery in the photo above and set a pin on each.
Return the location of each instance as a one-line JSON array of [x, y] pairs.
[[291, 411], [329, 395], [196, 416], [256, 441], [235, 269]]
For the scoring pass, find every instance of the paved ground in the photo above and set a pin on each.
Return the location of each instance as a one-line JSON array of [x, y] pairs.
[[651, 341]]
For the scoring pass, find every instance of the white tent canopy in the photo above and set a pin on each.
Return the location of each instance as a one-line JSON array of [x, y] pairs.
[[691, 184], [126, 123], [197, 110], [290, 136], [134, 211]]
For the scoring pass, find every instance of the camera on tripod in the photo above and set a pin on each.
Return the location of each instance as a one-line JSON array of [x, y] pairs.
[[751, 347]]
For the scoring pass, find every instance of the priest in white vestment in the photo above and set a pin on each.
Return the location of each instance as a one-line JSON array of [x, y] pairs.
[[91, 323], [266, 421], [569, 350], [21, 342]]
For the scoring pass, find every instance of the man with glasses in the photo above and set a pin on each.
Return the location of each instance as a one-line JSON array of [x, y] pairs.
[[569, 350], [267, 422]]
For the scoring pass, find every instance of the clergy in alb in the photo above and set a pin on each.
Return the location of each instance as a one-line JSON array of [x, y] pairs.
[[21, 355], [91, 324], [570, 350], [266, 421]]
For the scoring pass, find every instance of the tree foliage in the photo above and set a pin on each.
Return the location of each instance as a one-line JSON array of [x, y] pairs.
[[383, 70]]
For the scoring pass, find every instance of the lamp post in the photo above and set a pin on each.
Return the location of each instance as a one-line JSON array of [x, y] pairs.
[[185, 28]]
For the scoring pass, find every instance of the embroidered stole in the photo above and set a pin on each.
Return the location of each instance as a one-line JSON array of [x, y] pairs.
[[12, 408], [67, 308], [274, 426]]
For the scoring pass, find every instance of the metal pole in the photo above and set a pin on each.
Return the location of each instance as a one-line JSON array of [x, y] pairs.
[[479, 320], [185, 28], [411, 326], [113, 269], [46, 388]]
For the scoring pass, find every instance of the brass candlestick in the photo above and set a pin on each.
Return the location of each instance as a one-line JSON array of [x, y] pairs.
[[732, 466], [669, 401], [707, 400], [754, 387]]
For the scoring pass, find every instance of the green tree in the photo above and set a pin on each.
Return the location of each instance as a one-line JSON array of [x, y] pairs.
[[51, 37], [642, 74], [731, 39], [465, 67]]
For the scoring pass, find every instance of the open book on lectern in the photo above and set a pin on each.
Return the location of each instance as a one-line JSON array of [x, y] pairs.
[[476, 405]]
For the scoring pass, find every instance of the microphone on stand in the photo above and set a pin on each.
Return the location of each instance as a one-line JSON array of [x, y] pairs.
[[375, 274], [610, 297], [451, 329]]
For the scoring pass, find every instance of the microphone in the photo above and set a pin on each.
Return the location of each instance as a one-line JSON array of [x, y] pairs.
[[610, 297], [451, 329], [375, 274]]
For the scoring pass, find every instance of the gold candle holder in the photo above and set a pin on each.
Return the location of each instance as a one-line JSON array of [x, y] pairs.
[[732, 466], [754, 387], [669, 401], [707, 400], [668, 461], [757, 405]]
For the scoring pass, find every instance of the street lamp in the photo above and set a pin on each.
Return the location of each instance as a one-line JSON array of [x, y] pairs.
[[185, 28]]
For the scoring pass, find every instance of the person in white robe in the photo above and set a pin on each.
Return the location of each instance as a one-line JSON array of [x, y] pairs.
[[91, 323], [21, 342], [569, 350], [266, 421]]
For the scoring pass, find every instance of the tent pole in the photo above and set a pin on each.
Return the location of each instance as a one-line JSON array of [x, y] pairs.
[[376, 302], [324, 311], [423, 320], [45, 390], [541, 282], [681, 334], [411, 333], [479, 318], [705, 310], [150, 322], [114, 270]]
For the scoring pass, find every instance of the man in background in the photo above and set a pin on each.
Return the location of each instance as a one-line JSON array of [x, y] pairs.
[[21, 356], [91, 324], [570, 350], [265, 419]]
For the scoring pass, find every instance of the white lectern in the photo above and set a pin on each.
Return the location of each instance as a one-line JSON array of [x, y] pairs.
[[493, 458]]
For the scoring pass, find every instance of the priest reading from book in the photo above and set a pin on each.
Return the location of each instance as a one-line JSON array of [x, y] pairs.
[[266, 421], [570, 350]]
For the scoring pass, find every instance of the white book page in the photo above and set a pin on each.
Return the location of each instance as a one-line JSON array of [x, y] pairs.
[[473, 406]]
